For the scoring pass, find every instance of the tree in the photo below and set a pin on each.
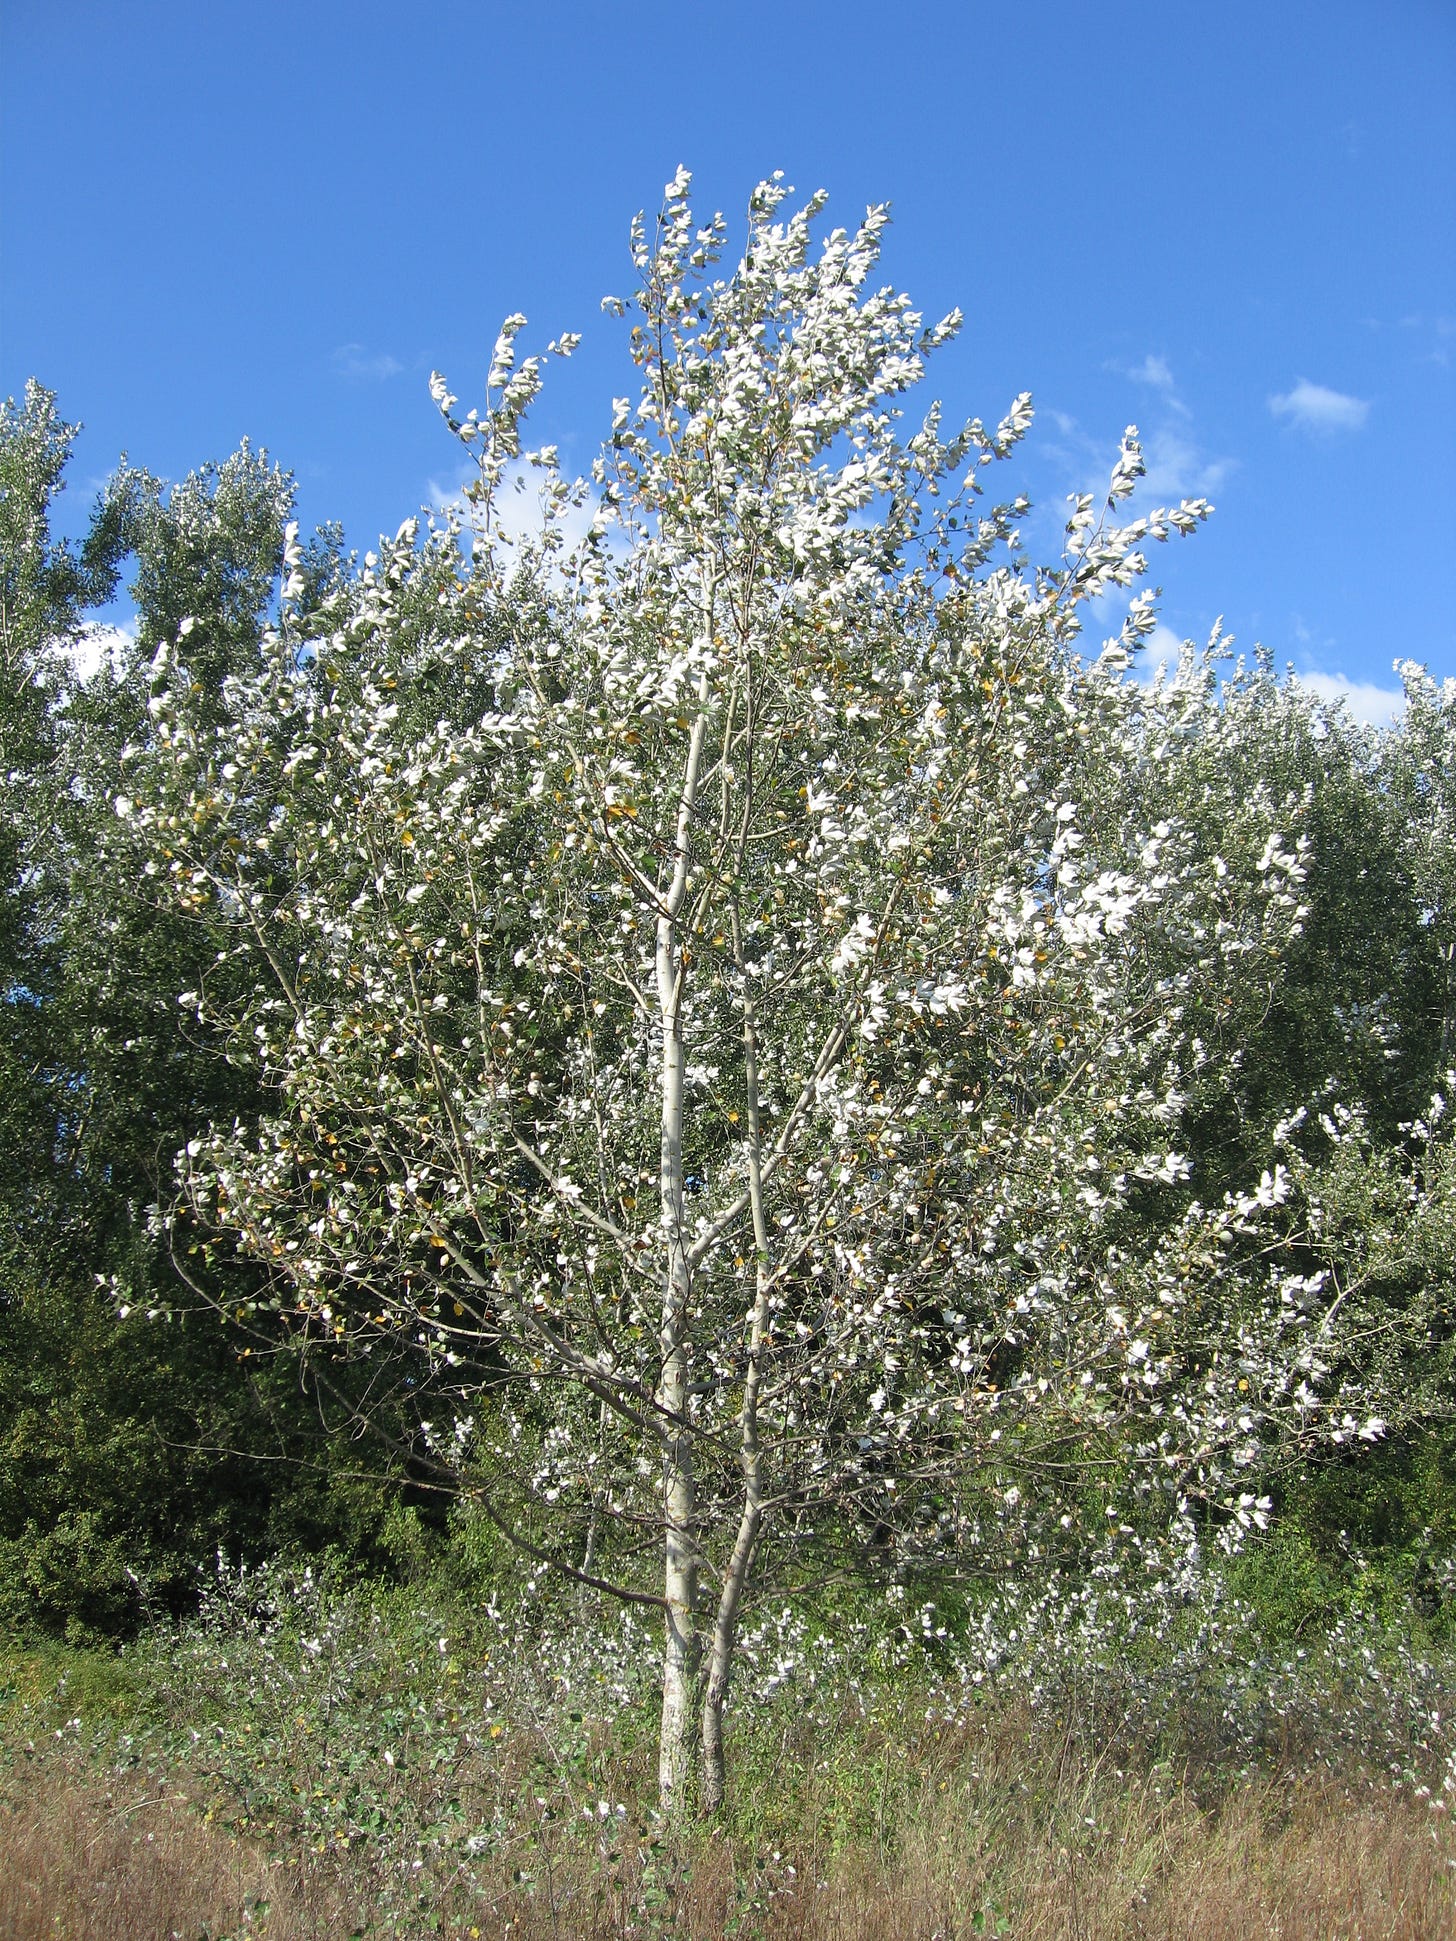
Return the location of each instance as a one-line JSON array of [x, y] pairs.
[[124, 1449], [727, 988], [1420, 772], [45, 588]]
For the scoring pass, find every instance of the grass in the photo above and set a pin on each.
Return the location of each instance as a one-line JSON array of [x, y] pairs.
[[1009, 1839], [296, 1766], [90, 1865]]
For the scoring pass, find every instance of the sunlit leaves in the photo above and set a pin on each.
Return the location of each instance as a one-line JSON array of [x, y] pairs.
[[738, 980]]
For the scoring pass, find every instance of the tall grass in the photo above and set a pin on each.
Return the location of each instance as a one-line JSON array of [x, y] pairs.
[[300, 1765], [1011, 1840]]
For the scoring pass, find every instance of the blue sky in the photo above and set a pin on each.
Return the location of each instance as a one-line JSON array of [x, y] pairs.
[[1232, 227]]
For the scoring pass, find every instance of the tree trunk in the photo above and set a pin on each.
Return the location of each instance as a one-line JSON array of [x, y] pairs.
[[750, 1455], [680, 1574], [720, 1663], [680, 1590], [680, 1577]]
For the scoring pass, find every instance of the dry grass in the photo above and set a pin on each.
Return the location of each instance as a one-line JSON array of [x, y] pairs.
[[79, 1864], [1319, 1867], [986, 1824]]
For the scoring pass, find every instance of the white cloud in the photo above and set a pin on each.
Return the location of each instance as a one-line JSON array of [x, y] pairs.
[[363, 366], [1178, 470], [1159, 656], [1314, 407], [1162, 650], [1154, 371], [1157, 374], [1376, 705], [518, 515], [98, 645]]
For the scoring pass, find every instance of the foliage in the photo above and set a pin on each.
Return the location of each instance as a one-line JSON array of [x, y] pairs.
[[127, 1453], [783, 1042], [46, 585], [762, 1077]]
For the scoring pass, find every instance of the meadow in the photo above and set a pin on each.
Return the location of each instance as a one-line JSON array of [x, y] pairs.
[[313, 1759]]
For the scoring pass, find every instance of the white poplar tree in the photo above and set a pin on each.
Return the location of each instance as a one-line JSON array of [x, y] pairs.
[[721, 994]]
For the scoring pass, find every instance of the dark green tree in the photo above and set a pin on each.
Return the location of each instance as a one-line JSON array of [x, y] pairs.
[[129, 1450]]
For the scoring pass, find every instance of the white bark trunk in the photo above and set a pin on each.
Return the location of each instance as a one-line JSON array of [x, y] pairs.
[[680, 1573], [680, 1591], [725, 1635], [750, 1522]]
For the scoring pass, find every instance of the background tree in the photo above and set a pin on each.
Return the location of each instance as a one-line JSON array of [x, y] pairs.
[[128, 1453], [1420, 769]]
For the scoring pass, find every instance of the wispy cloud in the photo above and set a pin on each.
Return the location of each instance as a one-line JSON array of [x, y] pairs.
[[363, 366], [1153, 370], [1439, 333], [1157, 374], [1314, 407], [1368, 702], [1178, 466], [1177, 469]]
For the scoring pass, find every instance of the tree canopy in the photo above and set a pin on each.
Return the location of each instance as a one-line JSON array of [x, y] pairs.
[[822, 1071]]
